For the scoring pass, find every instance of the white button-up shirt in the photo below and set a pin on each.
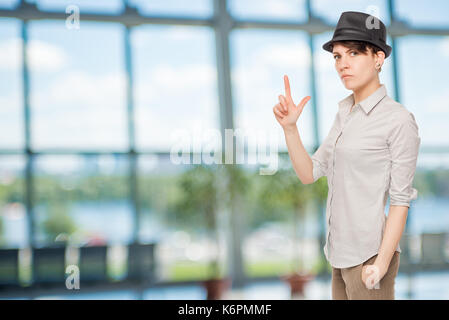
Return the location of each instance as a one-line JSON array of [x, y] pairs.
[[370, 152]]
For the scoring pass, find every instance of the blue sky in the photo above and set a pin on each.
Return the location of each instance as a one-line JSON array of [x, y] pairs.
[[78, 81]]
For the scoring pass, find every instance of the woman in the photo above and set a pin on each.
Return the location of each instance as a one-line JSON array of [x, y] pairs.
[[369, 154]]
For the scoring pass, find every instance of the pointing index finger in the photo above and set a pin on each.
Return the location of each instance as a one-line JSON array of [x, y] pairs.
[[287, 87]]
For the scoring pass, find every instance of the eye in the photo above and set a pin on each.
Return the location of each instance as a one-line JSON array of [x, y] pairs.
[[336, 56], [354, 52]]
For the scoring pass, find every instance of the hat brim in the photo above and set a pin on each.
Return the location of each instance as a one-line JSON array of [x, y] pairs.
[[385, 48]]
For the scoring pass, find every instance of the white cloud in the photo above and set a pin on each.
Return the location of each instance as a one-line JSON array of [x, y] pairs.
[[11, 119], [185, 78], [439, 103], [445, 46], [42, 56], [280, 8], [181, 33], [85, 90], [258, 80], [45, 56], [273, 8], [175, 98], [10, 54], [81, 110], [283, 56], [173, 34], [325, 61]]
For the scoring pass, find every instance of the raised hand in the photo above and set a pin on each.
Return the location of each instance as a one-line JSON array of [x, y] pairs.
[[286, 112]]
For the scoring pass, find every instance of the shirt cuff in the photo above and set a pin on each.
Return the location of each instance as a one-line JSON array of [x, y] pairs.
[[404, 202]]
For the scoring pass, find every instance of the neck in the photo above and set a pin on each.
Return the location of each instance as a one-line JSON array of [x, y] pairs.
[[362, 93]]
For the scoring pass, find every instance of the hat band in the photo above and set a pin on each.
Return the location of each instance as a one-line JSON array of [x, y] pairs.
[[358, 34]]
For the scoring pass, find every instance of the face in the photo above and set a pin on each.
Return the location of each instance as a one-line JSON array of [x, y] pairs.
[[359, 67]]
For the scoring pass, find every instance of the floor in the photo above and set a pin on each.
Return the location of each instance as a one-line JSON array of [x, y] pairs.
[[425, 286]]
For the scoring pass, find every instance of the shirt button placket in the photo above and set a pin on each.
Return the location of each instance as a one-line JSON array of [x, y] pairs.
[[333, 167]]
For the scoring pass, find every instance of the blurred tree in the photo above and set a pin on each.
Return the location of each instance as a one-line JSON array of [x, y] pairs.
[[58, 221], [285, 191], [319, 191], [203, 190], [197, 204], [1, 231], [432, 182]]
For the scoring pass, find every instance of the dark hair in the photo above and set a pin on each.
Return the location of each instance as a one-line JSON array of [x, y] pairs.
[[359, 46]]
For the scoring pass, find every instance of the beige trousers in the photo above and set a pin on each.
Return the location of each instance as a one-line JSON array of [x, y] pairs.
[[347, 283]]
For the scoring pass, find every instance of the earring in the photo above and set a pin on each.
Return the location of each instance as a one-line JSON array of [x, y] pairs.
[[377, 66]]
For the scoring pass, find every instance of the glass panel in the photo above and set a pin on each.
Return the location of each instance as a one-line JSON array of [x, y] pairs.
[[175, 86], [286, 10], [11, 95], [201, 8], [82, 199], [330, 88], [275, 237], [8, 4], [78, 94], [429, 210], [423, 14], [110, 6], [424, 84], [13, 219], [433, 161], [173, 217], [331, 10], [260, 59]]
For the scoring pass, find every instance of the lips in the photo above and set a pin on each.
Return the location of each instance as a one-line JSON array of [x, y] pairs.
[[345, 76]]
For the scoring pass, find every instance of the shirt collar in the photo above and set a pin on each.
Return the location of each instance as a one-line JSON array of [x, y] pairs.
[[368, 103]]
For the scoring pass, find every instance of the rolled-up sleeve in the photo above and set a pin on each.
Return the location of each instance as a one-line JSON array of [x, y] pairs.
[[320, 159], [404, 142]]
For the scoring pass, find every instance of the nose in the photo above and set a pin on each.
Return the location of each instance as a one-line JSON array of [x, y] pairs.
[[342, 64]]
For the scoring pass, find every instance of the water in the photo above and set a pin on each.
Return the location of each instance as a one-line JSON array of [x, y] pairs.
[[114, 221]]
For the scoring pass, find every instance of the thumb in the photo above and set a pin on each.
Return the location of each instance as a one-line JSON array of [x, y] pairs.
[[302, 103]]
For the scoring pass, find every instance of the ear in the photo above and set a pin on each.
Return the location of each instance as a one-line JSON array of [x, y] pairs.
[[380, 57]]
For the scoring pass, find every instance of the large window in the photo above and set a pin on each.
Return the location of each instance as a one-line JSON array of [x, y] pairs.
[[186, 242], [326, 9], [195, 8], [287, 10], [423, 14], [260, 59], [11, 101], [82, 199], [108, 6], [78, 92], [424, 86], [13, 220], [176, 95], [429, 212], [8, 4], [104, 115]]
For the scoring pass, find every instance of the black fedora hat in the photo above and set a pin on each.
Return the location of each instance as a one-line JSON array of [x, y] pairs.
[[360, 26]]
